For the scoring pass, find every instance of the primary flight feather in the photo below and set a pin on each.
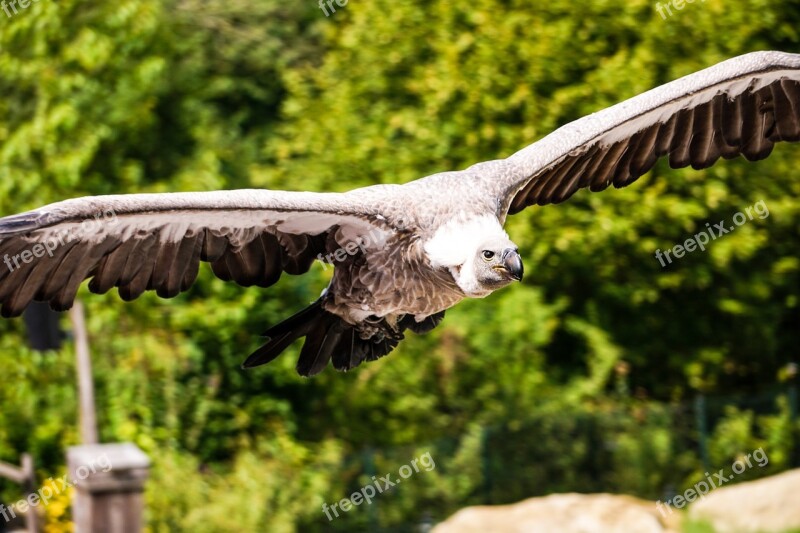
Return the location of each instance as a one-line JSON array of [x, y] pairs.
[[402, 254]]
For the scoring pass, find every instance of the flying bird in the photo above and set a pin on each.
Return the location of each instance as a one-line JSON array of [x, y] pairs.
[[401, 254]]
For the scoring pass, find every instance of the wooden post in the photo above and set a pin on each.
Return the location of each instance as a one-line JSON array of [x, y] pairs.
[[25, 475], [83, 360], [109, 484], [29, 475]]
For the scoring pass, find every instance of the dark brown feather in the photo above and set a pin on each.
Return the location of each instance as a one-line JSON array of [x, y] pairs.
[[78, 271], [111, 267], [749, 125], [26, 290], [786, 99], [188, 251], [541, 183], [645, 156], [214, 246], [135, 280], [757, 123], [272, 271], [666, 136], [593, 166], [523, 197], [193, 266], [246, 265], [605, 170], [299, 253], [726, 151], [703, 150], [63, 270], [569, 186], [318, 348], [681, 141]]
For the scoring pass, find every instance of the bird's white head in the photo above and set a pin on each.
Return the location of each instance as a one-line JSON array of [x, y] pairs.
[[478, 253]]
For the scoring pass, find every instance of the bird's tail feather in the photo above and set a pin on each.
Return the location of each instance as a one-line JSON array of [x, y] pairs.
[[329, 337], [284, 334], [320, 343]]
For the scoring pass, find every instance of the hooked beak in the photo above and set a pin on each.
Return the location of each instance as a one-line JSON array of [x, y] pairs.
[[512, 262]]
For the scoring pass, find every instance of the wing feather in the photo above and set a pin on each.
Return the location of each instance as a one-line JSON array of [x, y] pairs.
[[605, 172], [679, 151], [26, 290], [703, 150], [171, 284], [645, 156], [156, 242], [111, 268], [568, 187], [86, 259], [138, 268], [742, 106], [786, 102]]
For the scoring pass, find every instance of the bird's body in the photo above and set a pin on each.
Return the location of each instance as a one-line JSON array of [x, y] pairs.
[[393, 278], [402, 254]]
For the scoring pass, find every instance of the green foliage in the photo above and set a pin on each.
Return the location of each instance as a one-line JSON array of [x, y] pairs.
[[265, 490], [579, 379]]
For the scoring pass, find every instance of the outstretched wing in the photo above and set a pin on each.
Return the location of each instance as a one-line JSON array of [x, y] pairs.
[[155, 242], [741, 106]]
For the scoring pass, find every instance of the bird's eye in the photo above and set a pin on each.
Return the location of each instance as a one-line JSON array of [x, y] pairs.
[[488, 255]]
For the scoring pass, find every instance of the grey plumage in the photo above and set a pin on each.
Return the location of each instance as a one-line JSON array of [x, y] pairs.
[[410, 251]]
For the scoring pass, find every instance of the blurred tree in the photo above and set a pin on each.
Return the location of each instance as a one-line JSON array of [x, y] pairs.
[[175, 95]]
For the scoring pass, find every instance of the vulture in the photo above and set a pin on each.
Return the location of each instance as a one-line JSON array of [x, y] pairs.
[[401, 254]]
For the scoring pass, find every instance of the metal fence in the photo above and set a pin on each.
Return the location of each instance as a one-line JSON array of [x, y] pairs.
[[649, 450]]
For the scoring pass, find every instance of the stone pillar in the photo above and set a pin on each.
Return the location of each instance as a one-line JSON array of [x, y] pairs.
[[109, 483]]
